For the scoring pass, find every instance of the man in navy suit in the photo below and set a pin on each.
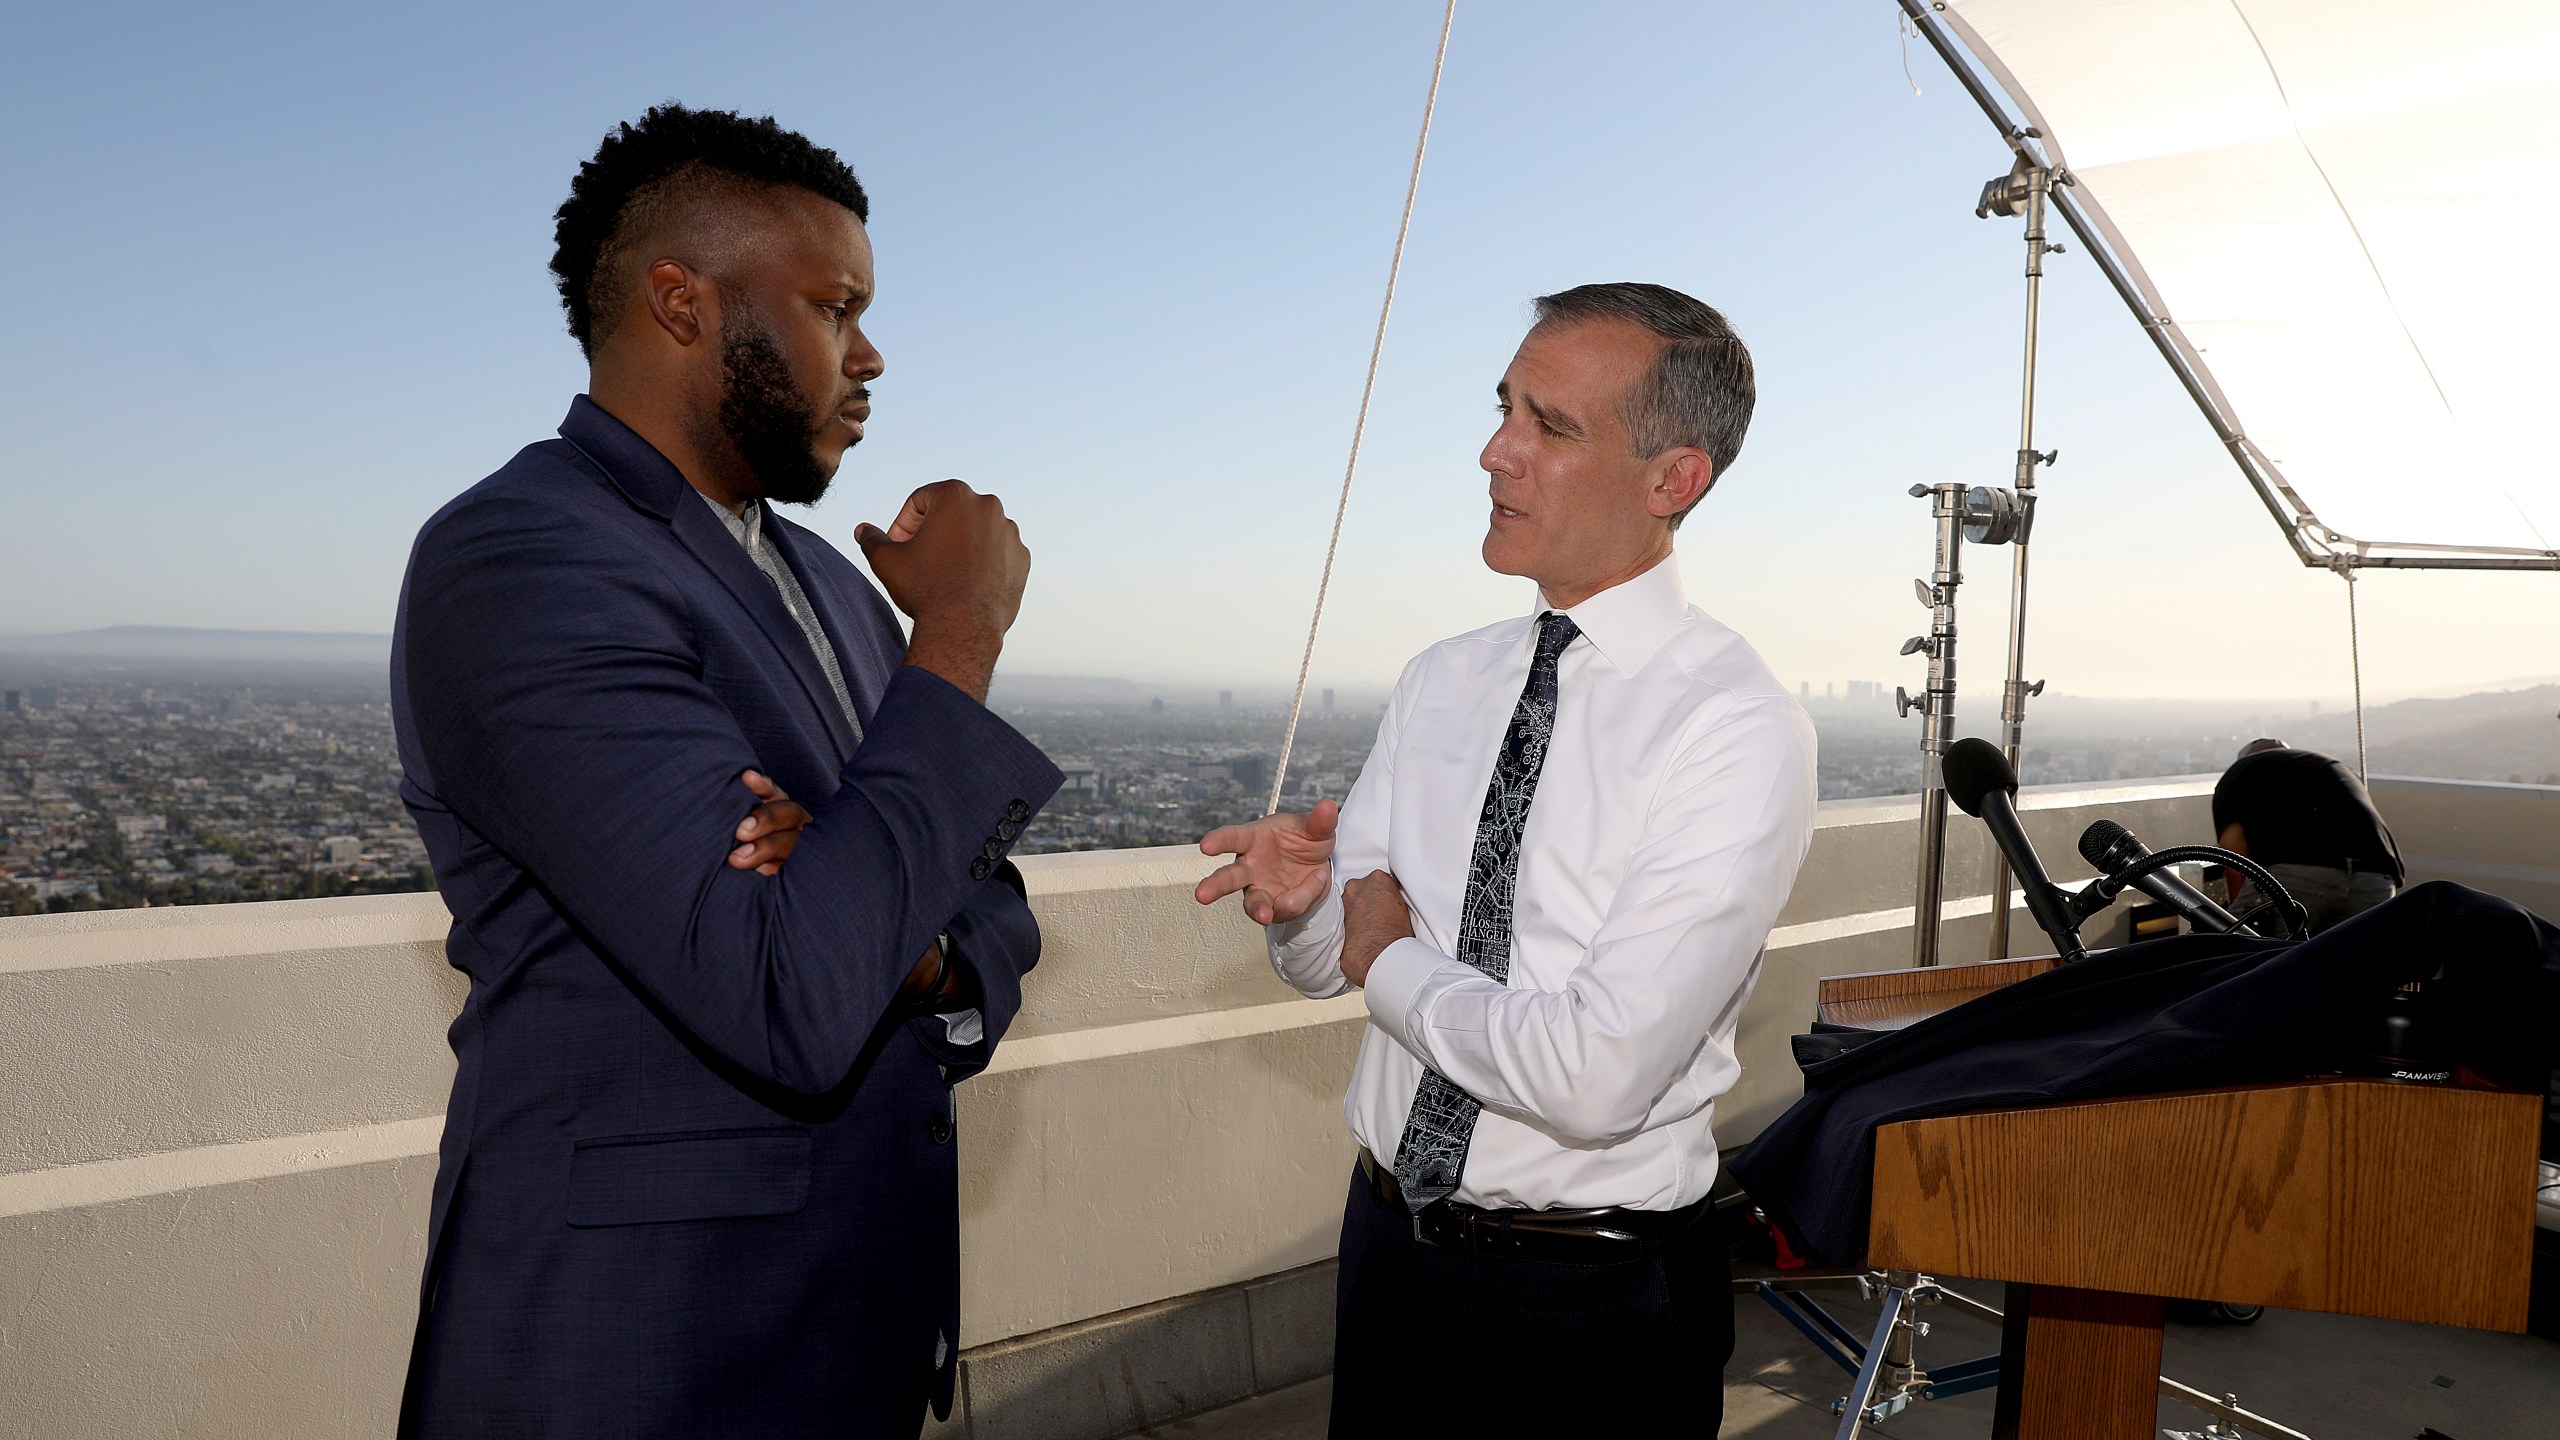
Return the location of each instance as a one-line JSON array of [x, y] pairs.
[[698, 1175]]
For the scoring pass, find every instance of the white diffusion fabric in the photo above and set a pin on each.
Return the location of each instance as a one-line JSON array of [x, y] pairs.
[[2350, 213]]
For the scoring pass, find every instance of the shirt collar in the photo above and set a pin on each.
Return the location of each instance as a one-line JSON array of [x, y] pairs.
[[746, 528], [1630, 620]]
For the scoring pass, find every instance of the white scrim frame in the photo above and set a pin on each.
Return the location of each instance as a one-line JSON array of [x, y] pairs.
[[2318, 545]]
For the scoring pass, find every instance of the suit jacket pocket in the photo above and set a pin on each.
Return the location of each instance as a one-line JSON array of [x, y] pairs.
[[694, 1175]]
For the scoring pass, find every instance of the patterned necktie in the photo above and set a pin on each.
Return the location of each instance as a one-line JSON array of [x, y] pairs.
[[1443, 1120]]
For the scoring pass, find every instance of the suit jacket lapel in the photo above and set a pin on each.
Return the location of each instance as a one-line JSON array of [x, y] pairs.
[[653, 484], [866, 657], [720, 552]]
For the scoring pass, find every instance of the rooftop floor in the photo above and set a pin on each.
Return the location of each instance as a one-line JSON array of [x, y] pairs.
[[2331, 1377]]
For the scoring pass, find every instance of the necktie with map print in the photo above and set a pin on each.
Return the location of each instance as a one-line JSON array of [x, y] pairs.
[[1443, 1120]]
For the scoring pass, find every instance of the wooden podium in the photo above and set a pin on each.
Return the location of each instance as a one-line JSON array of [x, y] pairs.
[[2359, 1197]]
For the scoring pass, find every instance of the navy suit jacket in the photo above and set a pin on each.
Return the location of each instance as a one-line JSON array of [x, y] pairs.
[[698, 1173]]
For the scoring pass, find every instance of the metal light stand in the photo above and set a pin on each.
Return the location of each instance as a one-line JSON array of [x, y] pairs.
[[1986, 517], [1890, 1377], [1937, 706], [2021, 192]]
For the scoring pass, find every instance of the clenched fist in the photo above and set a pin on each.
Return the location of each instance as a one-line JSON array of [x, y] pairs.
[[954, 562]]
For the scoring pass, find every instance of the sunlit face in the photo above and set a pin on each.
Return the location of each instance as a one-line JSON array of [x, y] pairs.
[[1571, 502], [795, 365]]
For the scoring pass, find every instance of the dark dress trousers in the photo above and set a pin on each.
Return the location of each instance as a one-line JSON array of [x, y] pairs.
[[1442, 1344], [698, 1174]]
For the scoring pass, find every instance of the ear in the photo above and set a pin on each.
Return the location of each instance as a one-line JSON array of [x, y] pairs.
[[1680, 476], [682, 301]]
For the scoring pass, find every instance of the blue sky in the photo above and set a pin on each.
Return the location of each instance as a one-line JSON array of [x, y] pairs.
[[283, 292]]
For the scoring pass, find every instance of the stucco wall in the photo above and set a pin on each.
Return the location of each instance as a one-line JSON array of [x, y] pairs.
[[2504, 839], [220, 1122]]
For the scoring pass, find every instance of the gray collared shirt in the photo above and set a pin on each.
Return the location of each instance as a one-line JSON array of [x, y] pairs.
[[748, 529]]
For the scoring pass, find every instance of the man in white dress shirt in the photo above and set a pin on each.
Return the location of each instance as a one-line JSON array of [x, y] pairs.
[[1553, 881]]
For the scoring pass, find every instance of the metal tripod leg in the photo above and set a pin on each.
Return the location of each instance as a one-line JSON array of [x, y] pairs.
[[1881, 1359], [2226, 1413]]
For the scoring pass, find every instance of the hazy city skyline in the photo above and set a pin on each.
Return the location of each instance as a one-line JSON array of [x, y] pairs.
[[127, 780]]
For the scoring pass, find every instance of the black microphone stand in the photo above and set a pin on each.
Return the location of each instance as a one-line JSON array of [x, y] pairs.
[[2100, 893]]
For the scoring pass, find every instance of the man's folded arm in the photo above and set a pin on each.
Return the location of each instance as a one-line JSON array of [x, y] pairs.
[[1592, 1061], [561, 706]]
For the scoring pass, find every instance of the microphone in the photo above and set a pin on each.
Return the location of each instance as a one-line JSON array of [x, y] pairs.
[[1981, 783], [2113, 849]]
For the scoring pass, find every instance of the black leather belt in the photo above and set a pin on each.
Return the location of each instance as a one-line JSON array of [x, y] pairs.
[[1608, 1235]]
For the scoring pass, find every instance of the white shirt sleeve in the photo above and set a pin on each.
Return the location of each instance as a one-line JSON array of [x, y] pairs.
[[1682, 938], [1307, 951]]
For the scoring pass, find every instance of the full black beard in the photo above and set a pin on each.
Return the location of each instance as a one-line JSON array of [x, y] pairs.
[[767, 416]]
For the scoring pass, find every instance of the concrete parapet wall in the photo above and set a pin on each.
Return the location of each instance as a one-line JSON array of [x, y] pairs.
[[220, 1125], [2504, 839]]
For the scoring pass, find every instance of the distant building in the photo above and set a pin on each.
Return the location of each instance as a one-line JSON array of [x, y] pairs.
[[1328, 701], [341, 850], [134, 827], [41, 697], [1226, 699], [1080, 780], [1253, 772], [9, 702], [1156, 706], [1804, 692]]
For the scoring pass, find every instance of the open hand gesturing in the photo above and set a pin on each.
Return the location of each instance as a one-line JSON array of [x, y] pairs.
[[1283, 863]]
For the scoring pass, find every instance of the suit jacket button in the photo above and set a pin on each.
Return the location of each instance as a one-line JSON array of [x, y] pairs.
[[1007, 830], [1017, 812], [981, 868], [940, 1129]]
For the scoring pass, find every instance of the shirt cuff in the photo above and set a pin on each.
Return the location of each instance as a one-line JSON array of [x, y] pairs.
[[964, 1027], [1322, 918], [1408, 975], [1306, 952]]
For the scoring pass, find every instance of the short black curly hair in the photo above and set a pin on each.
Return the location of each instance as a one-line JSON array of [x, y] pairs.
[[624, 192]]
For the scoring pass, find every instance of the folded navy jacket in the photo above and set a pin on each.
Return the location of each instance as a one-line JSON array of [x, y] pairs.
[[2184, 1013]]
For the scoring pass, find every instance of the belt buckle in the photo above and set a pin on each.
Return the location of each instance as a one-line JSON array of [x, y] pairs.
[[1422, 1232]]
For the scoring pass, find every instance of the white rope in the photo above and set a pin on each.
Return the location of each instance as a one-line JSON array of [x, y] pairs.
[[1377, 346], [2355, 656]]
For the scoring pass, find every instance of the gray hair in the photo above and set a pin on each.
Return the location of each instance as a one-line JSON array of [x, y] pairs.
[[1700, 391]]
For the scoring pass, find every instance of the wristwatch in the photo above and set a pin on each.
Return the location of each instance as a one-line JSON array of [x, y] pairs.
[[930, 1002]]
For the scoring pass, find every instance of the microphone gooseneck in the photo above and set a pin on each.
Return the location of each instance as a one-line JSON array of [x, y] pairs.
[[2115, 851], [1980, 782]]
